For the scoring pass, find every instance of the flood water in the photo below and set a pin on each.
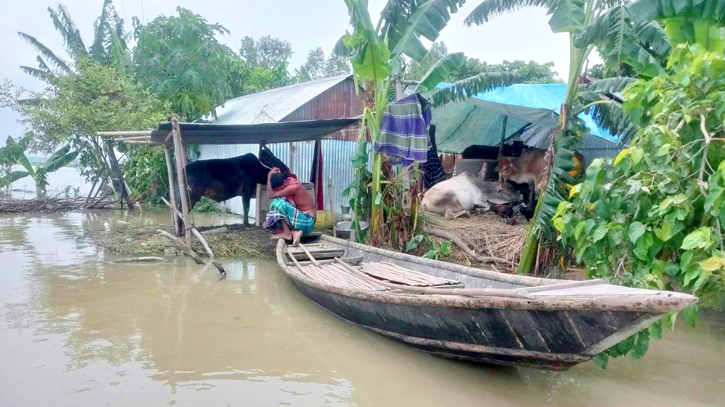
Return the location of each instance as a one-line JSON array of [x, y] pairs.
[[78, 331]]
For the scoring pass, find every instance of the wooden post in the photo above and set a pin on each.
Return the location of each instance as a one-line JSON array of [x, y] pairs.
[[503, 136], [172, 190], [91, 192], [116, 169], [292, 156], [332, 206], [406, 171], [183, 191]]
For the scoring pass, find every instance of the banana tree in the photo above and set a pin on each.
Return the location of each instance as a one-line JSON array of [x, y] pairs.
[[9, 156], [378, 55], [58, 160]]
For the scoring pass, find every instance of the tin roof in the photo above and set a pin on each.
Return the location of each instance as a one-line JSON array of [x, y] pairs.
[[272, 105]]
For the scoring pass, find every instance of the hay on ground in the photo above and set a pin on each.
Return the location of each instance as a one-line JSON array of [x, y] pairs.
[[487, 234]]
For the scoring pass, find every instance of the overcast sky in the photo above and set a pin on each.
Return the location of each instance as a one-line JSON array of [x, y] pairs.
[[306, 24]]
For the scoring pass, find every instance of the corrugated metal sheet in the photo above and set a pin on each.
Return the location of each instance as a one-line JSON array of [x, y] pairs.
[[273, 105], [335, 164], [595, 147], [339, 101]]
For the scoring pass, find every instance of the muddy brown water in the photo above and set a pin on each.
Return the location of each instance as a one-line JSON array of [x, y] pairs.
[[78, 331]]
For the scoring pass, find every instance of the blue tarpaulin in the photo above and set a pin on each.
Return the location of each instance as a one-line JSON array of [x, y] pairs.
[[538, 104]]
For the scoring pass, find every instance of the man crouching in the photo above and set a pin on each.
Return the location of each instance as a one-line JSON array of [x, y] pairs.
[[291, 212]]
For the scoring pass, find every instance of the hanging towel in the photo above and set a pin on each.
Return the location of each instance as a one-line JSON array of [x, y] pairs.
[[433, 171], [403, 131]]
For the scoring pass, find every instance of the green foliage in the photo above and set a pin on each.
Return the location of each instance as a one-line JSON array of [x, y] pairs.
[[359, 190], [95, 98], [59, 159], [416, 70], [264, 64], [209, 205], [146, 173], [316, 66], [182, 61], [653, 217], [10, 154], [423, 243]]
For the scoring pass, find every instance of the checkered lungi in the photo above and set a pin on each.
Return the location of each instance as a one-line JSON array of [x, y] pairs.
[[281, 210]]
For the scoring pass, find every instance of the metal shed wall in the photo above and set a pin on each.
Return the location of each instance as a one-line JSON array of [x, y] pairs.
[[339, 101], [335, 163]]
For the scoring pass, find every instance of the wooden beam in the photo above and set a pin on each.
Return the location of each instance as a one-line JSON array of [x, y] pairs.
[[124, 133], [172, 190], [183, 191]]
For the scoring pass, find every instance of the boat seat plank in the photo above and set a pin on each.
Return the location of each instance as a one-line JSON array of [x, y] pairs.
[[319, 250], [398, 275]]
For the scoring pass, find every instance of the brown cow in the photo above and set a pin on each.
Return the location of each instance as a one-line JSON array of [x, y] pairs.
[[530, 168]]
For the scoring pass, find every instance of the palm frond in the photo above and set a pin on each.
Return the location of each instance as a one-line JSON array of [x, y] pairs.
[[427, 21], [607, 112], [654, 37], [441, 70], [100, 29], [609, 86], [465, 88], [493, 8], [46, 52], [43, 66], [712, 11], [118, 55], [68, 30], [37, 73], [614, 35]]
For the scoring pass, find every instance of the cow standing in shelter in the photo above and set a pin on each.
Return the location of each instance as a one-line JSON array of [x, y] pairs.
[[223, 179]]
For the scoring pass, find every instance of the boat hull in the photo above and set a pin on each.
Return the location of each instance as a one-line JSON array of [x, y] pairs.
[[549, 339], [497, 318]]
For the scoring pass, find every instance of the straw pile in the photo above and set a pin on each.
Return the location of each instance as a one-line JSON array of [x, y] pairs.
[[487, 234]]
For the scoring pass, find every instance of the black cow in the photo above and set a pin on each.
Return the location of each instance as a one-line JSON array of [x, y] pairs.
[[222, 179]]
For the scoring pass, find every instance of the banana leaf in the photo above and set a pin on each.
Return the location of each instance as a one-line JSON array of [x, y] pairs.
[[440, 71]]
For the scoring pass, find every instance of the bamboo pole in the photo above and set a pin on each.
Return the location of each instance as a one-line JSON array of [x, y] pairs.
[[307, 252], [332, 206], [183, 192], [136, 133], [90, 193], [172, 190]]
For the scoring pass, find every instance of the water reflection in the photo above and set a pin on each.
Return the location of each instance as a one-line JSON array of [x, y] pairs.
[[89, 332]]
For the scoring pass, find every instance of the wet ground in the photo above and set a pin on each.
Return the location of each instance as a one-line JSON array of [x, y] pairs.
[[79, 331]]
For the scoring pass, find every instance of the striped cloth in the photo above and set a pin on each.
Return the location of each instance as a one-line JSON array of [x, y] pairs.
[[281, 210], [404, 131]]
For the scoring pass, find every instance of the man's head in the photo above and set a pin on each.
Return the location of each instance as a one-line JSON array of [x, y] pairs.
[[277, 180]]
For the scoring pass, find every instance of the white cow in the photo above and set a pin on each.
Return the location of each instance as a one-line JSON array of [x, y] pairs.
[[460, 194]]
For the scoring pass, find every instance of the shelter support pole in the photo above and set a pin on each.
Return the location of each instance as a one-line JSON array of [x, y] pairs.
[[183, 191], [172, 190], [332, 206], [503, 135]]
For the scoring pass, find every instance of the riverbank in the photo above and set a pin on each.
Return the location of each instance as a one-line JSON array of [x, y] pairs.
[[237, 242]]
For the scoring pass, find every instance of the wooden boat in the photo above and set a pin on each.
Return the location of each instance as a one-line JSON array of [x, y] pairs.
[[472, 314]]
